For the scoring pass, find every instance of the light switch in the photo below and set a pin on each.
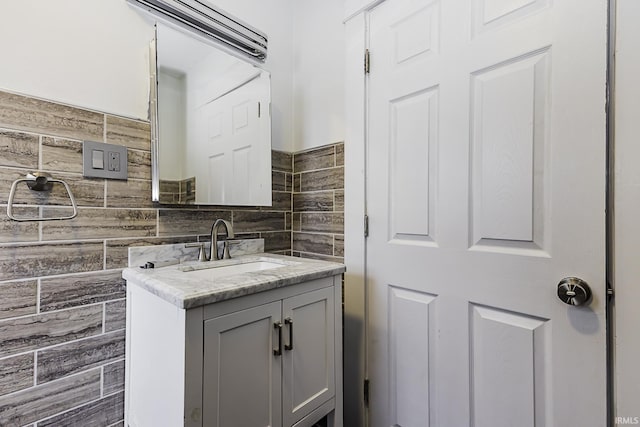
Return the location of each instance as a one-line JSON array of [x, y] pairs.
[[102, 160], [97, 159]]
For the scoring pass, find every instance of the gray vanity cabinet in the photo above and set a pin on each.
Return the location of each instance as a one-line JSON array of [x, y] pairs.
[[272, 364], [225, 364]]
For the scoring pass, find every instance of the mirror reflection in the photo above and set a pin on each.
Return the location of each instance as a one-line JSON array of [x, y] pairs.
[[213, 124]]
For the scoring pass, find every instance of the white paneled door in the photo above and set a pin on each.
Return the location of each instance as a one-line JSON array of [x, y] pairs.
[[486, 187]]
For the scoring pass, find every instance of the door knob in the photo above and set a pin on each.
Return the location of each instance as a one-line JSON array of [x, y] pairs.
[[574, 291]]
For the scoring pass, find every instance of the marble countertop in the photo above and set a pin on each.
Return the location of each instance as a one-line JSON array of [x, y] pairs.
[[175, 285]]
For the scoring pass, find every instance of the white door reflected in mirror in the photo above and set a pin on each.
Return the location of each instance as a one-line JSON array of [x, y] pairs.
[[213, 122]]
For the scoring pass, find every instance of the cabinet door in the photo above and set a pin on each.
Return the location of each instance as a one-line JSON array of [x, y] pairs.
[[309, 365], [242, 376]]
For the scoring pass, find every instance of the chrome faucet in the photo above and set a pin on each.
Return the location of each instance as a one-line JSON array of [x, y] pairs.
[[214, 239]]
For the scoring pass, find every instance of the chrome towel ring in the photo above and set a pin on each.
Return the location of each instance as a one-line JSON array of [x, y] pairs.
[[40, 182]]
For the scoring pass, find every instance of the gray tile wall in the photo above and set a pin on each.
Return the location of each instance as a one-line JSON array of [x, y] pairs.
[[61, 295], [318, 203], [62, 300]]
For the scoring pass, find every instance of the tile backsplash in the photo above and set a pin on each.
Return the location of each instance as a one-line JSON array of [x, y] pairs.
[[62, 298], [318, 203]]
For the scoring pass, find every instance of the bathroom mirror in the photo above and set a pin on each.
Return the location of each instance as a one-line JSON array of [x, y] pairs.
[[211, 124]]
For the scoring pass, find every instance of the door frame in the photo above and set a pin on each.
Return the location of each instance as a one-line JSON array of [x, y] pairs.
[[356, 319], [609, 217], [624, 209]]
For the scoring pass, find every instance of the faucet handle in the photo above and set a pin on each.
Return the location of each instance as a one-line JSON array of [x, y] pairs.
[[225, 250], [202, 254]]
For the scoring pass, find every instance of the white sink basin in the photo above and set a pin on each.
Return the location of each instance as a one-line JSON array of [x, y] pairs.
[[232, 270]]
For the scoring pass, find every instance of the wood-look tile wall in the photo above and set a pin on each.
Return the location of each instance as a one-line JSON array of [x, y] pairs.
[[318, 203], [62, 301]]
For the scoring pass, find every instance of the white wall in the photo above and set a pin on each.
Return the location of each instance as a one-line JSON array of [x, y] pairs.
[[94, 54], [627, 209], [318, 73], [89, 53]]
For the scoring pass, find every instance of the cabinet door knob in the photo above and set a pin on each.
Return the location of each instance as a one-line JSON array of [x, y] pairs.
[[278, 351], [289, 321]]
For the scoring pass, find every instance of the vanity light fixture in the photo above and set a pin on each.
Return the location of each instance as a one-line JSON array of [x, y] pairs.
[[211, 22]]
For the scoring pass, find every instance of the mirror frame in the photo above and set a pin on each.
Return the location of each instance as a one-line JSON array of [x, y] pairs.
[[153, 117]]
